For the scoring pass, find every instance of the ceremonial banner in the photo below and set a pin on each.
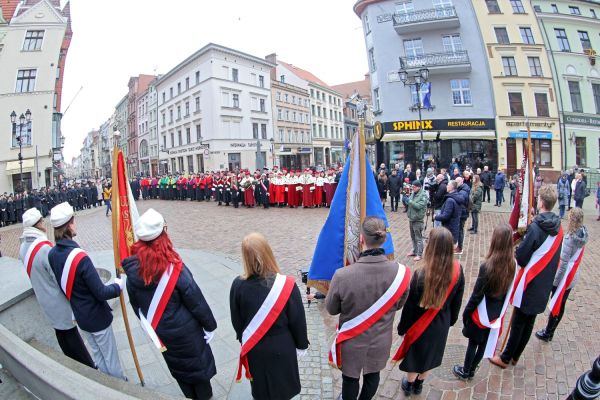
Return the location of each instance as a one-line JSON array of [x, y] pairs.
[[355, 197], [522, 212]]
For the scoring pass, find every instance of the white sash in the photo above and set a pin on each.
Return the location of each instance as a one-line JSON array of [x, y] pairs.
[[264, 309], [563, 281], [69, 265], [158, 294]]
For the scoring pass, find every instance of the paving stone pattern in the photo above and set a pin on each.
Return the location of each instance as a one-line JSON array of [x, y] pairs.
[[546, 371]]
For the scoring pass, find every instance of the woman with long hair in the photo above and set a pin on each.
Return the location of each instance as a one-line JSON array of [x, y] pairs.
[[571, 253], [493, 284], [476, 200], [434, 300], [271, 361], [382, 186], [155, 274]]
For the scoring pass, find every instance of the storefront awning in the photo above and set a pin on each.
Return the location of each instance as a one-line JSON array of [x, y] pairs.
[[13, 167], [444, 135], [399, 137]]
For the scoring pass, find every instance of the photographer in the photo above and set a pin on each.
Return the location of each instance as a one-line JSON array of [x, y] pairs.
[[437, 198]]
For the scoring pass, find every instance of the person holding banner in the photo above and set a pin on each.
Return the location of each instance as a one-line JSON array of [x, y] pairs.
[[34, 250], [485, 310], [171, 307], [366, 295], [80, 282], [268, 317], [538, 256], [568, 271], [432, 307]]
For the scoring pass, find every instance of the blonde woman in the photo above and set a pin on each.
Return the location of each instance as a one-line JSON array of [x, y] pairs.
[[268, 317]]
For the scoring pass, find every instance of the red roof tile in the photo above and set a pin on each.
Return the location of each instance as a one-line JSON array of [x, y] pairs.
[[361, 87], [303, 74], [8, 8]]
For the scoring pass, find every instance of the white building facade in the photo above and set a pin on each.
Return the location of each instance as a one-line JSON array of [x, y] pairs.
[[214, 112]]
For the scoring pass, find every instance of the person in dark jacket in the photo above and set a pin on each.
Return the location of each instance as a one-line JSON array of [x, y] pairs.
[[476, 200], [450, 213], [394, 184], [426, 292], [88, 295], [537, 292], [273, 361], [579, 194], [486, 181], [382, 186], [464, 192], [438, 196], [187, 324], [493, 284], [499, 183]]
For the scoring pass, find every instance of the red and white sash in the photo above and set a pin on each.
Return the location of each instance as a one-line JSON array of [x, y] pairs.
[[68, 274], [33, 250], [359, 324], [264, 318], [538, 261], [161, 297], [565, 282], [482, 320], [417, 329]]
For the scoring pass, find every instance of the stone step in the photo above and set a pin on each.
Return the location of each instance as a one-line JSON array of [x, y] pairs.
[[10, 388]]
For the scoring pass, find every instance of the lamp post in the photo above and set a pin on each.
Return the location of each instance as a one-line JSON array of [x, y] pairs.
[[272, 142], [23, 121], [420, 77]]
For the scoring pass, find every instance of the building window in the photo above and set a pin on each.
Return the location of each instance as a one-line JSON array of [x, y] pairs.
[[164, 145], [593, 13], [254, 130], [190, 164], [279, 114], [575, 92], [366, 23], [510, 67], [580, 152], [461, 91], [171, 93], [236, 100], [197, 103], [527, 35], [376, 97], [517, 6], [164, 119], [187, 108], [282, 79], [585, 40], [22, 133], [372, 65], [164, 97], [171, 116], [563, 41], [404, 7], [172, 139], [261, 81], [26, 80], [263, 131], [574, 10], [262, 105], [235, 74], [535, 67], [515, 101], [187, 83], [197, 77], [178, 87], [542, 152], [502, 35], [554, 9], [280, 135], [452, 43], [541, 105], [178, 113], [33, 40], [596, 94], [188, 135], [179, 138], [492, 6], [198, 133], [413, 48]]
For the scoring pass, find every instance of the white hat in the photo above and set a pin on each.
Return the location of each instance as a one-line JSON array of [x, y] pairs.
[[31, 217], [61, 214], [149, 226]]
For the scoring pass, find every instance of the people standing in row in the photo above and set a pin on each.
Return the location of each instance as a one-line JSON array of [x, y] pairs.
[[86, 293], [434, 301], [186, 324], [476, 202], [488, 301], [566, 278], [367, 349], [417, 207], [34, 250], [543, 238], [269, 353]]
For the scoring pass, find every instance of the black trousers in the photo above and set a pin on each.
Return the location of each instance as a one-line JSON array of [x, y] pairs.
[[350, 387], [520, 332], [73, 347], [554, 321], [486, 191], [474, 355], [201, 390], [475, 220], [395, 198]]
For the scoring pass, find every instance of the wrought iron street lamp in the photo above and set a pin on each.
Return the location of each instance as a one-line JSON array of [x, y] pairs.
[[419, 78], [24, 120]]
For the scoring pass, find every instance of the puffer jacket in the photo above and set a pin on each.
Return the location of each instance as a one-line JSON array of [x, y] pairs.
[[450, 213], [571, 243], [417, 206], [477, 199], [464, 192]]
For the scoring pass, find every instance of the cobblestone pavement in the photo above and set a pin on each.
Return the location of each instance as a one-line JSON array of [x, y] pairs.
[[545, 371]]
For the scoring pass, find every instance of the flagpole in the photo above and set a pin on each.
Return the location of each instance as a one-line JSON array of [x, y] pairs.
[[362, 155], [530, 174], [115, 196]]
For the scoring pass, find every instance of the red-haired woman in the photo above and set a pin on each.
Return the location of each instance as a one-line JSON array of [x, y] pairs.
[[156, 275]]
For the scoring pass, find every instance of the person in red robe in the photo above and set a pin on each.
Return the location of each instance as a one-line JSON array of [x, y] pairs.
[[308, 187], [319, 199], [292, 184], [248, 189]]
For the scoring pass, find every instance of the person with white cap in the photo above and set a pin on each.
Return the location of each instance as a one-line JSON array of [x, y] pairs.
[[80, 282], [183, 328], [34, 250]]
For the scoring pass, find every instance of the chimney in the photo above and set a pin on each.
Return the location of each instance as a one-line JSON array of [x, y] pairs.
[[272, 58]]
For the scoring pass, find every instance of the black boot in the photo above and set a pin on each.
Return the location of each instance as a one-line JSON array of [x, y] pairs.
[[418, 386], [548, 333], [544, 335], [462, 373], [407, 387]]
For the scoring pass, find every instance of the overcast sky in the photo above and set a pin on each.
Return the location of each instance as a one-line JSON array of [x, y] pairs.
[[116, 39]]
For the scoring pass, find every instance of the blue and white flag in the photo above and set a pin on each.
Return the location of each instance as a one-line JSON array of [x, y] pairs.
[[426, 94], [338, 243]]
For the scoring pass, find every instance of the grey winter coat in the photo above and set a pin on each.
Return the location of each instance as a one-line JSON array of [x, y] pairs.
[[52, 300], [564, 190], [571, 243]]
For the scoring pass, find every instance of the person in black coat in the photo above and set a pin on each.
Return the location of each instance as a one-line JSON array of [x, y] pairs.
[[187, 324], [486, 181], [273, 361], [427, 351], [579, 194], [438, 195], [451, 211], [464, 192], [494, 282], [395, 185], [535, 297]]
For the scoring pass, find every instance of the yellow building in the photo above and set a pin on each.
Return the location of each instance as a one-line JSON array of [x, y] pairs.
[[522, 85]]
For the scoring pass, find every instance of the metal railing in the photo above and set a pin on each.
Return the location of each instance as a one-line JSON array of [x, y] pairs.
[[435, 59], [432, 14]]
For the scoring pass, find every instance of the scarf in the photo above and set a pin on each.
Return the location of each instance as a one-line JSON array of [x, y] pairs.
[[372, 252]]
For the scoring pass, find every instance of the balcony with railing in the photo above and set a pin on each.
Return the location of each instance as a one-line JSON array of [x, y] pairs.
[[424, 20], [438, 63]]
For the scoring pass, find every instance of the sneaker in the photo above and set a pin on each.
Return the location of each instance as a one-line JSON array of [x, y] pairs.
[[461, 374], [458, 251]]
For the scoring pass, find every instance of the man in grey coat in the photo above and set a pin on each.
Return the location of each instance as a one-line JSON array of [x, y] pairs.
[[34, 254], [417, 206]]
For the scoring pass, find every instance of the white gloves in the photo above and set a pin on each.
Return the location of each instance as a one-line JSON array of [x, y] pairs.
[[301, 353], [121, 281], [208, 336]]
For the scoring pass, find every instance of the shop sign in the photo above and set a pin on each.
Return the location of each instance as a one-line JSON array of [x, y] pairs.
[[190, 149], [440, 125], [305, 150], [532, 124], [582, 120], [241, 144], [534, 135]]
